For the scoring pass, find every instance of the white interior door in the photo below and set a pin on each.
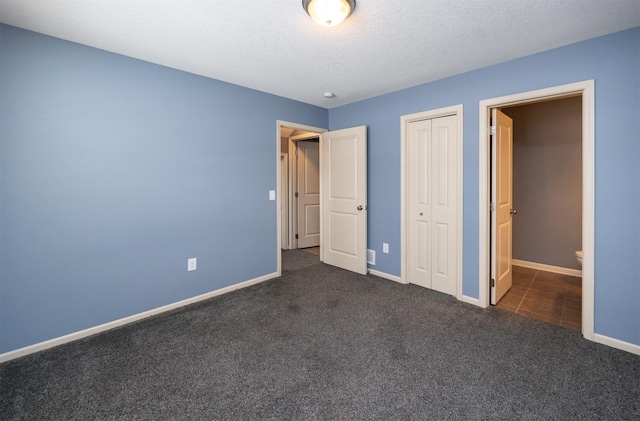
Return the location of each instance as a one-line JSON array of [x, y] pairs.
[[433, 201], [419, 153], [344, 189], [501, 204], [308, 193]]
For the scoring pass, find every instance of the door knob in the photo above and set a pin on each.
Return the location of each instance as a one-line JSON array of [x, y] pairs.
[[360, 207], [420, 213], [513, 211]]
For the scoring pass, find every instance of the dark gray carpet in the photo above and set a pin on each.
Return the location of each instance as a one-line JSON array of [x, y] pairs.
[[298, 259], [323, 343]]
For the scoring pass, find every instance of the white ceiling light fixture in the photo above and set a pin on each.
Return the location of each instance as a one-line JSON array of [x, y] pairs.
[[329, 12]]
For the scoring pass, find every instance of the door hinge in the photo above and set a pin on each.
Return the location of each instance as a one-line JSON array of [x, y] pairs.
[[493, 281], [296, 194], [492, 207], [492, 130], [296, 236], [296, 150]]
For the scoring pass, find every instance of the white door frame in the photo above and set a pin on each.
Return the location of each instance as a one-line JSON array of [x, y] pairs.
[[404, 186], [586, 90], [280, 124], [293, 183], [283, 195]]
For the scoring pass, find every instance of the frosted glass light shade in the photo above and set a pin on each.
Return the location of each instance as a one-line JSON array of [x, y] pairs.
[[328, 12]]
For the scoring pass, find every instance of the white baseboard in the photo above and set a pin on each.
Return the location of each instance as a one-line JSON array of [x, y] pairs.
[[468, 300], [471, 300], [547, 268], [386, 276], [7, 356], [615, 343], [41, 346]]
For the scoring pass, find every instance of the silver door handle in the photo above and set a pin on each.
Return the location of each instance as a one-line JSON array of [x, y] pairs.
[[513, 211]]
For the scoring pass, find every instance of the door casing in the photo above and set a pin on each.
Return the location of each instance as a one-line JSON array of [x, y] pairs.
[[404, 186], [283, 200], [586, 90]]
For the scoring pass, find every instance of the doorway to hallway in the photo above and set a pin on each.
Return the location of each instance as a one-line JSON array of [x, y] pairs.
[[342, 188]]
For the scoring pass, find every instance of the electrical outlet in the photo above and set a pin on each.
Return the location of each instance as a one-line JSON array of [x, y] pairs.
[[192, 264], [385, 248]]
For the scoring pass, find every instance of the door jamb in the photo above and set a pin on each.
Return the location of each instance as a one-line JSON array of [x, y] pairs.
[[284, 166], [404, 196], [296, 126], [586, 90]]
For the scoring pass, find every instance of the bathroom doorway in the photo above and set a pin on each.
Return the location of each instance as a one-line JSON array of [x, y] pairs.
[[583, 91], [547, 206]]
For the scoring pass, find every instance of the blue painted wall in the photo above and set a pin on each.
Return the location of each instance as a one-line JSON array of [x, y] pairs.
[[614, 63], [114, 172]]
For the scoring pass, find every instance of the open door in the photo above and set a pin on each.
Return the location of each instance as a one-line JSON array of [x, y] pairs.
[[501, 204], [344, 197]]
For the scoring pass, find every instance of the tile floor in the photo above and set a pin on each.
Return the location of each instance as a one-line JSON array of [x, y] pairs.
[[546, 296]]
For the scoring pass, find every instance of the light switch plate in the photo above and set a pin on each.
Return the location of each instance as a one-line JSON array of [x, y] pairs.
[[192, 264], [272, 195]]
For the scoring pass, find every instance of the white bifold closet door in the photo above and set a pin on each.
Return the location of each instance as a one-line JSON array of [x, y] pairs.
[[433, 202]]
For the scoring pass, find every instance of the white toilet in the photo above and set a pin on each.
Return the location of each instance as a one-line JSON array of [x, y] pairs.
[[579, 257]]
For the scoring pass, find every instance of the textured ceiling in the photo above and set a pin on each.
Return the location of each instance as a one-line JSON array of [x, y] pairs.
[[273, 46]]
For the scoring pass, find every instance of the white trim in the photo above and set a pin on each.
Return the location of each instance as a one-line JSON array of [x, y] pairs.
[[41, 346], [284, 166], [386, 276], [404, 121], [470, 300], [586, 89], [547, 268], [295, 126], [616, 343]]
